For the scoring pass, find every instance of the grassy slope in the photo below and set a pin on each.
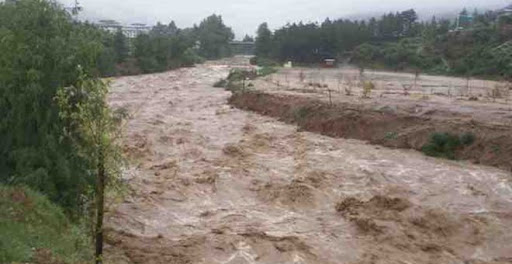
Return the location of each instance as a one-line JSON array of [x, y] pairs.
[[35, 230]]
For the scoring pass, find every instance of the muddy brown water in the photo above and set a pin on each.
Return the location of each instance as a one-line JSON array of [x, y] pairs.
[[214, 184]]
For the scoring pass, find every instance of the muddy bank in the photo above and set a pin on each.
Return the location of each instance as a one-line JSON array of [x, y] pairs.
[[491, 144]]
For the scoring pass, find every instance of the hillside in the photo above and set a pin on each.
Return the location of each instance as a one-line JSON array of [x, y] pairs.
[[35, 230]]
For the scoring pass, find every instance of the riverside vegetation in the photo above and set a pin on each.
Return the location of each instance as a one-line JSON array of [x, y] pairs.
[[397, 41], [58, 154]]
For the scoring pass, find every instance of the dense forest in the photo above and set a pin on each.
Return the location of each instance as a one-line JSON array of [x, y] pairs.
[[58, 147], [397, 41]]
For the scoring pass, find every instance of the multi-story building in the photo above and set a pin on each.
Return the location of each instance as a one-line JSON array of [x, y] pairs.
[[130, 31], [506, 10]]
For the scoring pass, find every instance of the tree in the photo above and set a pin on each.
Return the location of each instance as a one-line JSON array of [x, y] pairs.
[[165, 47], [143, 52], [214, 38], [408, 22], [263, 41], [93, 128], [165, 30], [430, 31], [172, 29], [364, 55], [120, 46], [248, 38], [41, 47], [107, 61]]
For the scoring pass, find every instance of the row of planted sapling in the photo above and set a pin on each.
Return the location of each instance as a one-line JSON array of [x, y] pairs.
[[363, 84]]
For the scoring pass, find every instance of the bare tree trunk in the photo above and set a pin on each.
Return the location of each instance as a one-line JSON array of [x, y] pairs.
[[468, 88], [416, 76], [100, 204]]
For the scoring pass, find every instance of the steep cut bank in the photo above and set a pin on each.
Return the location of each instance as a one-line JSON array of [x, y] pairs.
[[486, 143]]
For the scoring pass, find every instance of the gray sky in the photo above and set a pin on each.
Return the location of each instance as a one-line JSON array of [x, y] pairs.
[[245, 15]]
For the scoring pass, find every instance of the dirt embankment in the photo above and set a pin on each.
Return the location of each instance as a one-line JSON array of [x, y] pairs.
[[492, 144]]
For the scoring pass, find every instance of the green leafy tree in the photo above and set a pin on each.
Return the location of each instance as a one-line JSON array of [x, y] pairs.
[[365, 54], [144, 53], [93, 129], [263, 41], [165, 30], [248, 38], [408, 22], [214, 38], [121, 47], [41, 47], [165, 47], [107, 61]]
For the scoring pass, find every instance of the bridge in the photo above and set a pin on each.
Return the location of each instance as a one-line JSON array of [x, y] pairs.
[[242, 47]]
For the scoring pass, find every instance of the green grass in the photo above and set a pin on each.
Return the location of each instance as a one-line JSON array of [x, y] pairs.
[[264, 62], [30, 223], [391, 135]]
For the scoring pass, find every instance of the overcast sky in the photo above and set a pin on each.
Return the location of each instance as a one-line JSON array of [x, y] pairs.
[[245, 15]]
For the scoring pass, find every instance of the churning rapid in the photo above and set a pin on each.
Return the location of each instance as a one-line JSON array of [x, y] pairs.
[[213, 184]]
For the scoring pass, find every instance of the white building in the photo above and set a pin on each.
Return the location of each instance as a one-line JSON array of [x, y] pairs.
[[507, 10], [130, 31]]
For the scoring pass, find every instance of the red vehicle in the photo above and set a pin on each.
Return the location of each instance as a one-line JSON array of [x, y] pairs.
[[329, 63]]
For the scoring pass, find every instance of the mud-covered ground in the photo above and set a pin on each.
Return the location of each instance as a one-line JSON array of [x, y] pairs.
[[213, 184], [439, 96]]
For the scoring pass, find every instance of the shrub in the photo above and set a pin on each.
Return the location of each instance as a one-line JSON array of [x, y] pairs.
[[266, 71], [391, 135], [234, 86], [128, 67], [367, 88], [235, 75], [222, 83], [301, 113], [263, 62], [444, 145], [241, 74], [467, 139], [253, 61], [190, 57], [441, 145]]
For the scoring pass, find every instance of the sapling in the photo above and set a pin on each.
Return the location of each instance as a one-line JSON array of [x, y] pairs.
[[94, 129]]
